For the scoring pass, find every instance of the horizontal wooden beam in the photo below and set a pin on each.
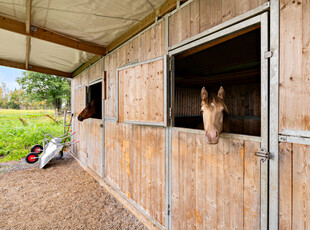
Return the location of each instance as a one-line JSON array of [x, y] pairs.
[[39, 69], [50, 36], [85, 65], [144, 23]]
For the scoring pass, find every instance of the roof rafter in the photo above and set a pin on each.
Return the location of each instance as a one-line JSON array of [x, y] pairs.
[[39, 69], [28, 38], [50, 36]]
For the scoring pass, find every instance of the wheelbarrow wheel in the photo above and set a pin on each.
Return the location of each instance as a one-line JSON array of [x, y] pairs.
[[32, 158], [37, 149], [60, 155]]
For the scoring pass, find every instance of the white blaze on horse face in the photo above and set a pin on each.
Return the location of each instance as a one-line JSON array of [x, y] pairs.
[[213, 115]]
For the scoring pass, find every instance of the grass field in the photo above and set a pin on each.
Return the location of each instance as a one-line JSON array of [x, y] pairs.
[[16, 138]]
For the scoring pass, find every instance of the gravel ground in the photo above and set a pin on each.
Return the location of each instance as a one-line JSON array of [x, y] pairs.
[[61, 196]]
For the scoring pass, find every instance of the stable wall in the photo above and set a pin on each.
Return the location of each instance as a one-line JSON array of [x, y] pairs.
[[294, 114], [294, 65], [205, 179]]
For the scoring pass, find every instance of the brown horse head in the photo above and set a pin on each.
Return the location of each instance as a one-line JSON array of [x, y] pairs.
[[88, 112], [213, 108]]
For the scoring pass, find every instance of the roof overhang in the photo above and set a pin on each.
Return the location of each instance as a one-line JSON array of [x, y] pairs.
[[64, 37]]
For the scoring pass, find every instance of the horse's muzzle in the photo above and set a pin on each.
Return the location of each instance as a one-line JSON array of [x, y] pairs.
[[80, 119]]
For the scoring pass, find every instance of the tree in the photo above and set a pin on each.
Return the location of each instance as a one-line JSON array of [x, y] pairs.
[[45, 87], [16, 99], [4, 95]]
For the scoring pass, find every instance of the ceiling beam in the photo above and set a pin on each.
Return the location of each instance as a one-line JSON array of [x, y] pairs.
[[50, 36], [28, 38], [39, 69], [144, 23]]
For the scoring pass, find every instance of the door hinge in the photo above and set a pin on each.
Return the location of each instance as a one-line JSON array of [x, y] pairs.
[[170, 113], [263, 154], [168, 210], [268, 54]]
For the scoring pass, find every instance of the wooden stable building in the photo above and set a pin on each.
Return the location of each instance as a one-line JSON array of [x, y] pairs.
[[145, 147]]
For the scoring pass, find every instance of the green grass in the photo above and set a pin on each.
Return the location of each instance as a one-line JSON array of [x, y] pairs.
[[16, 139]]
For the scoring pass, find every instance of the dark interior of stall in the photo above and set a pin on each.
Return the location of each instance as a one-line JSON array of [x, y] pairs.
[[95, 93], [233, 64]]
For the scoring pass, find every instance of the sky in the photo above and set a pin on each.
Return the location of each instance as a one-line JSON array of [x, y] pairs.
[[9, 76]]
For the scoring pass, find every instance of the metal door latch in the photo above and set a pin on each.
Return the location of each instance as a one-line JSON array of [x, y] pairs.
[[263, 154]]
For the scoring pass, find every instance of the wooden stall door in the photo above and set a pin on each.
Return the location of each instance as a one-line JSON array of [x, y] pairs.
[[214, 186], [222, 186], [80, 148], [95, 145], [142, 93], [135, 165]]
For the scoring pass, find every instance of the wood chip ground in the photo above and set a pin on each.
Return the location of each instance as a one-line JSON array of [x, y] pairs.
[[61, 196]]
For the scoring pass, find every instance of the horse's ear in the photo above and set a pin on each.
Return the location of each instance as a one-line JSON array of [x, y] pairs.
[[92, 103], [204, 95], [221, 93]]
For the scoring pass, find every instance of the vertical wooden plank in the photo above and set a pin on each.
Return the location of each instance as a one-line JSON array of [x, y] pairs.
[[143, 170], [121, 96], [220, 188], [175, 183], [251, 188], [185, 23], [190, 181], [285, 185], [158, 91], [144, 93], [156, 174], [242, 6], [113, 86], [163, 40], [152, 160], [227, 178], [194, 18], [172, 28], [132, 93], [236, 184], [305, 120], [182, 175], [200, 210], [163, 176], [291, 78], [210, 202], [301, 185], [107, 147], [228, 10], [205, 15], [216, 12], [118, 159], [136, 163]]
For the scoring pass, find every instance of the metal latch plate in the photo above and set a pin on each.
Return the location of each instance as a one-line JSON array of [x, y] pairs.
[[264, 154]]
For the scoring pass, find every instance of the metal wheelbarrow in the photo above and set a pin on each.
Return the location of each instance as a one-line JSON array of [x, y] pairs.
[[52, 147]]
